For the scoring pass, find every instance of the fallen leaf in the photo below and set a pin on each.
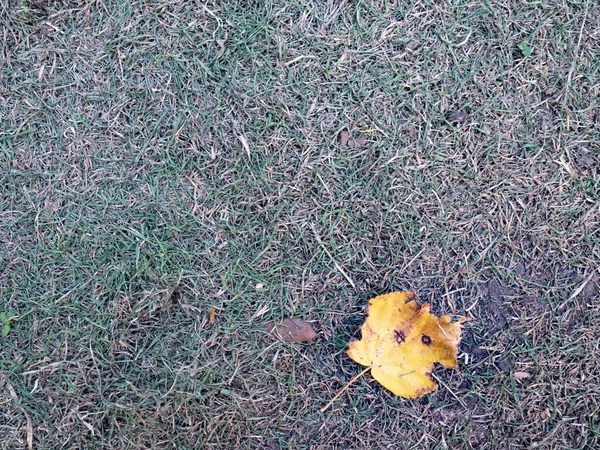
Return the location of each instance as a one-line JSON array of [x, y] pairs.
[[465, 271], [360, 141], [291, 330], [400, 342], [212, 314], [344, 137], [521, 375], [456, 116], [347, 141], [412, 45]]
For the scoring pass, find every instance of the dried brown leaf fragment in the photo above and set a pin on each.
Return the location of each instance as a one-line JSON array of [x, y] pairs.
[[291, 330]]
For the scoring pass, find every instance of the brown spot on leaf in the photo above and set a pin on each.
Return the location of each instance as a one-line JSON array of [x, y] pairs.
[[421, 392], [426, 339], [400, 336]]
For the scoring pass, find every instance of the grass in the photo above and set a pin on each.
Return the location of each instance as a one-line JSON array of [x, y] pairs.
[[162, 158]]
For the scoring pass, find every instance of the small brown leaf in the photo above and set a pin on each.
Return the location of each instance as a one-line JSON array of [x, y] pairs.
[[412, 45], [465, 271], [359, 141], [347, 141], [212, 314], [344, 137], [291, 330], [521, 375], [456, 116]]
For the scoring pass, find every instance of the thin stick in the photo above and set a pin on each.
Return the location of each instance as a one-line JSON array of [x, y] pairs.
[[324, 408]]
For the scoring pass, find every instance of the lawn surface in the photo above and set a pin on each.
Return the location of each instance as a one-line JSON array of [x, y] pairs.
[[162, 158]]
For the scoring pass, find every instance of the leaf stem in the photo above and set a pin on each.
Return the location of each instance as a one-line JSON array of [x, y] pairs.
[[324, 408]]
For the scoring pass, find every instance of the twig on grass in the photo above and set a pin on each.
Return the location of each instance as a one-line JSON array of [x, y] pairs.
[[324, 408]]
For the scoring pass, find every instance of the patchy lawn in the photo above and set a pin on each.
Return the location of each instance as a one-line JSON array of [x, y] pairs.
[[274, 159]]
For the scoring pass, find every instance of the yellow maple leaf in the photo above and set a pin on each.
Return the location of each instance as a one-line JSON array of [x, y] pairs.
[[401, 340]]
